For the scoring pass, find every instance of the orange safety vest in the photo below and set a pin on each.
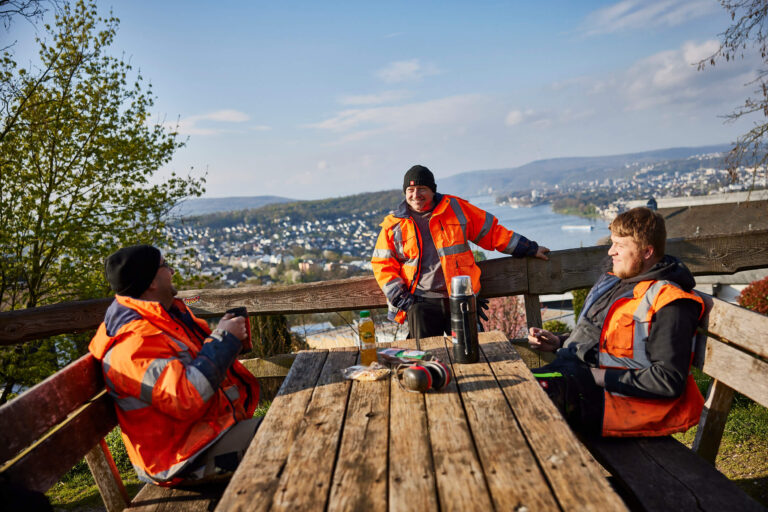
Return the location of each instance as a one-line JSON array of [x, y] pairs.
[[167, 409], [623, 345], [454, 223]]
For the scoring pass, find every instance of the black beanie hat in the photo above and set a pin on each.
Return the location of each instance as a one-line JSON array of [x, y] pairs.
[[131, 270], [419, 175]]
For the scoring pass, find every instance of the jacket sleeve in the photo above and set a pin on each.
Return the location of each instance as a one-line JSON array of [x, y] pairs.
[[669, 349], [160, 372], [386, 268], [483, 229]]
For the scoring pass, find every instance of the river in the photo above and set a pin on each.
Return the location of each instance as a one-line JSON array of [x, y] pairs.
[[540, 223]]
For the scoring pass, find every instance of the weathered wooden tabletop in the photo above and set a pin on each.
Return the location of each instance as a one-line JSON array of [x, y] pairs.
[[491, 440]]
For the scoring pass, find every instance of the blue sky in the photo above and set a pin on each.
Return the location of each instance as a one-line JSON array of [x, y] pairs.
[[321, 99]]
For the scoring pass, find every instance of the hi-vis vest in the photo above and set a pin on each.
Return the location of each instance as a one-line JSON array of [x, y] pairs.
[[623, 345], [454, 223], [167, 409]]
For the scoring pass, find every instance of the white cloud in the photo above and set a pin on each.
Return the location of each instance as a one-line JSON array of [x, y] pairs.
[[374, 99], [453, 112], [210, 123], [406, 71], [517, 116], [644, 14], [322, 165], [671, 77]]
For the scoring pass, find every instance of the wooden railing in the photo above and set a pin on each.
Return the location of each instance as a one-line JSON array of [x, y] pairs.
[[566, 270]]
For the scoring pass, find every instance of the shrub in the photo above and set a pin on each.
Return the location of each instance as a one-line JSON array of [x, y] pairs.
[[506, 314], [579, 296], [556, 326], [755, 296]]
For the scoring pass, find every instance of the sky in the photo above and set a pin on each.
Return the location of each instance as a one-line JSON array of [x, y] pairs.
[[311, 100]]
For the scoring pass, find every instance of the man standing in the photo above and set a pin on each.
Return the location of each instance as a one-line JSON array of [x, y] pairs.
[[184, 403], [625, 368], [425, 242]]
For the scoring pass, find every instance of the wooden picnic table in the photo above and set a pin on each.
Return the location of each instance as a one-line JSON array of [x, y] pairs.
[[491, 440]]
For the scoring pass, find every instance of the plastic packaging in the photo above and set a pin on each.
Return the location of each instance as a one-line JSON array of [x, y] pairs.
[[367, 333], [375, 371], [403, 355]]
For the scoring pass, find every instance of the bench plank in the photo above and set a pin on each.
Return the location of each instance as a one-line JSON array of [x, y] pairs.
[[664, 475], [26, 418], [410, 452], [322, 421], [199, 498], [53, 457], [255, 481], [560, 456], [107, 477], [453, 449], [514, 482], [740, 371], [360, 476], [739, 326]]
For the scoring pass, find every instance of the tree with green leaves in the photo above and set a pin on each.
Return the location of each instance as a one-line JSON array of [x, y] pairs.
[[78, 159], [747, 34]]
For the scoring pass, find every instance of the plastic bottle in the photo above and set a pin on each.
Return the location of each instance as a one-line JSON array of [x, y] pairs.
[[367, 333]]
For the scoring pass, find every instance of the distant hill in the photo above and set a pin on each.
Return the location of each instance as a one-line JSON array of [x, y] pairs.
[[299, 211], [219, 212], [560, 171], [202, 206]]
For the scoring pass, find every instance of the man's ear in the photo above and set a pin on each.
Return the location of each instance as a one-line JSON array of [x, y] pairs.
[[648, 252]]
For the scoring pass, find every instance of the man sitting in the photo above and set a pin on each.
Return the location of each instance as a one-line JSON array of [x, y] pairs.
[[625, 368], [184, 403]]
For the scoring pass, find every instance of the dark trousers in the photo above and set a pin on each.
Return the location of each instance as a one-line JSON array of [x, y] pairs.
[[569, 384], [429, 317]]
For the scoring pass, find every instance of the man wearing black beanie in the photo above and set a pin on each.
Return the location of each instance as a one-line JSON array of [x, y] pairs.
[[184, 403], [425, 242]]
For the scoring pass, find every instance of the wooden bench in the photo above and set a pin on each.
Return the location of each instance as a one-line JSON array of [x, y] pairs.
[[48, 429], [661, 473]]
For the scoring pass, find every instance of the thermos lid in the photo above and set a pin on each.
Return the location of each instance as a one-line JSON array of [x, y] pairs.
[[461, 285]]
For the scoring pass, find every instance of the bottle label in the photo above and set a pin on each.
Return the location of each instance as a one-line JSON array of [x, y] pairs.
[[367, 337]]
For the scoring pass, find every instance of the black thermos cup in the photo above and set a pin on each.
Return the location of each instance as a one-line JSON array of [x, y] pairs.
[[463, 320]]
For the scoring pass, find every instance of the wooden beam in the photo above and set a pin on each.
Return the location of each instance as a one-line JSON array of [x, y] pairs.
[[712, 422], [566, 270], [107, 478]]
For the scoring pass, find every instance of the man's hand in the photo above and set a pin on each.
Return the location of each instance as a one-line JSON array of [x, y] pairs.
[[542, 253], [404, 301], [542, 340], [234, 325]]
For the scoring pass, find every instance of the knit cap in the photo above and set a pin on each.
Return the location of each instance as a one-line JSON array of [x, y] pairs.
[[130, 270], [419, 175]]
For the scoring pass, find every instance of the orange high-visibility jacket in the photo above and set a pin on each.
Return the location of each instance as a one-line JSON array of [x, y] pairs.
[[454, 223], [623, 345], [167, 409]]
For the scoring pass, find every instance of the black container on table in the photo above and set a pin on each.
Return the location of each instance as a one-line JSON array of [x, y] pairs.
[[464, 320]]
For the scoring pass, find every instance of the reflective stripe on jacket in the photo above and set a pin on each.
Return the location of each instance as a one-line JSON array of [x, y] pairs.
[[623, 345], [167, 409], [454, 223]]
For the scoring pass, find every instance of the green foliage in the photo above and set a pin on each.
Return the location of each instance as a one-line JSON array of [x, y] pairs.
[[77, 166], [556, 326], [479, 255], [271, 336], [579, 296], [755, 296]]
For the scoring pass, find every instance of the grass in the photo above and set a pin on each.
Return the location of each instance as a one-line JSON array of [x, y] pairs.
[[77, 491], [743, 453]]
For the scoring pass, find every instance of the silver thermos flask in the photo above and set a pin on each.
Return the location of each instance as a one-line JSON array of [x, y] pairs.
[[463, 320]]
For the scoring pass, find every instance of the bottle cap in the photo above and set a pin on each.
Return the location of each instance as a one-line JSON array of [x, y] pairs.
[[365, 314], [461, 285]]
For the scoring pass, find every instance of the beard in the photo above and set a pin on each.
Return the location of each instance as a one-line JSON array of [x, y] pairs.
[[632, 269]]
